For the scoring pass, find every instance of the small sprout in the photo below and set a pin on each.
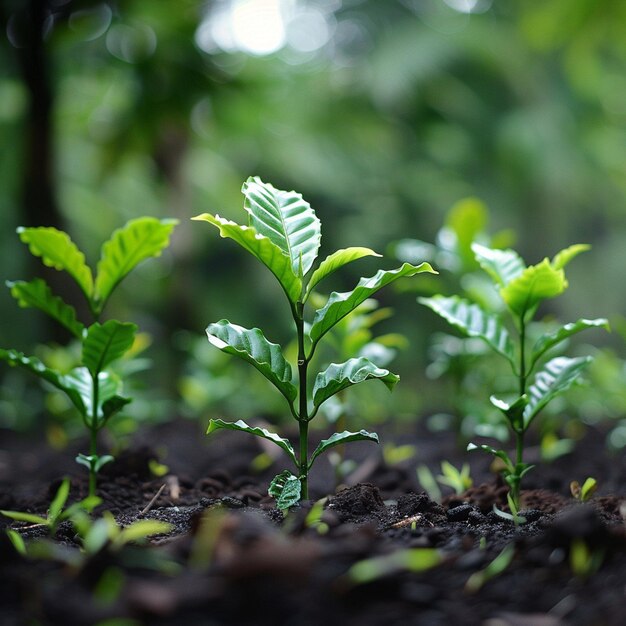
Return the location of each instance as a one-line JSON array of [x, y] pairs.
[[478, 579], [56, 513], [521, 289], [394, 455], [583, 560], [284, 233], [585, 492], [17, 541], [314, 517], [412, 560], [428, 482], [514, 515], [459, 480]]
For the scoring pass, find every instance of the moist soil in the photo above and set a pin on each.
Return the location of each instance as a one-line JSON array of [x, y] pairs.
[[379, 550]]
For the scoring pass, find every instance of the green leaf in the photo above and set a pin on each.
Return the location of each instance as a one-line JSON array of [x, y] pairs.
[[26, 517], [514, 412], [549, 340], [113, 405], [466, 220], [138, 240], [286, 488], [216, 424], [502, 265], [408, 560], [57, 250], [263, 249], [339, 438], [557, 376], [253, 347], [532, 286], [341, 304], [336, 260], [286, 220], [35, 366], [566, 255], [105, 343], [59, 500], [37, 294], [141, 529], [80, 381], [343, 375], [501, 454], [473, 321]]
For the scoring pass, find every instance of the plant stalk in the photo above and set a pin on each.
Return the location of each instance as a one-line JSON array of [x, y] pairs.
[[303, 412], [519, 428], [93, 432]]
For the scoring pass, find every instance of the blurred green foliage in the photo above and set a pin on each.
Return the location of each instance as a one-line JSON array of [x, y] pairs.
[[384, 114]]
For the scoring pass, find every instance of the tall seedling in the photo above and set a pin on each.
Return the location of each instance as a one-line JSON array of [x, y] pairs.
[[93, 389], [522, 290], [284, 233]]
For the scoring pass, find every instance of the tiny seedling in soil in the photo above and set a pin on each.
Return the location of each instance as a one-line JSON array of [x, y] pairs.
[[522, 289], [56, 513], [284, 233], [583, 492], [93, 389]]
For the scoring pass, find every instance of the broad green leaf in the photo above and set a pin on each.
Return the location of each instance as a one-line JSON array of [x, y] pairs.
[[339, 438], [513, 412], [502, 265], [263, 249], [340, 304], [139, 239], [286, 220], [336, 260], [57, 250], [35, 366], [113, 405], [557, 376], [473, 321], [80, 382], [549, 340], [343, 375], [37, 294], [566, 255], [105, 343], [216, 424], [466, 219], [532, 286], [286, 488], [253, 347], [59, 500]]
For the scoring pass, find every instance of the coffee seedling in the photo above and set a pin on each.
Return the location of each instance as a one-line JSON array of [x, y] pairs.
[[92, 388], [522, 289], [284, 233]]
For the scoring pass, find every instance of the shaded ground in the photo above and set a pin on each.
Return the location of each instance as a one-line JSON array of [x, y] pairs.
[[232, 559]]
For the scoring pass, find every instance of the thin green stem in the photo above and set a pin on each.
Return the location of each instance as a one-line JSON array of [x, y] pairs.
[[519, 428], [303, 412], [93, 431]]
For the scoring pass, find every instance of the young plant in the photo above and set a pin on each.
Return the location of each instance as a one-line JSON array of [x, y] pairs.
[[92, 388], [56, 513], [522, 289], [584, 492], [284, 233]]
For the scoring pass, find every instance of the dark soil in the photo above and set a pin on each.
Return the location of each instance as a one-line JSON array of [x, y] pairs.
[[232, 558]]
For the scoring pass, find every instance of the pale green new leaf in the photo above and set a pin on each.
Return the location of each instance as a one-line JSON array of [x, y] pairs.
[[80, 381], [216, 424], [549, 340], [138, 240], [57, 250], [263, 249], [502, 265], [337, 377], [473, 321], [105, 343], [339, 438], [59, 500], [341, 304], [557, 376], [37, 294], [565, 256], [336, 260], [535, 284], [35, 366], [18, 516], [253, 347], [286, 220]]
